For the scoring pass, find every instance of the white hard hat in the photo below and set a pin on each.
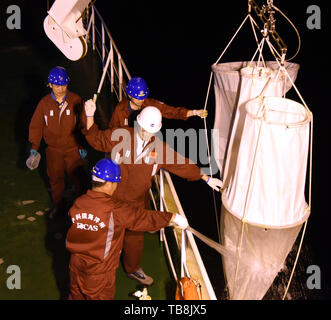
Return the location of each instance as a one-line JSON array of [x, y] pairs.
[[150, 119]]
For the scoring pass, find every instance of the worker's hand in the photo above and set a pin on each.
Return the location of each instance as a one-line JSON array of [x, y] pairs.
[[83, 153], [201, 113], [215, 183], [90, 108], [33, 161], [180, 221], [33, 152]]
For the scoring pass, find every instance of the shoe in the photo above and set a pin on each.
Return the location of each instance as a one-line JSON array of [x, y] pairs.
[[141, 277]]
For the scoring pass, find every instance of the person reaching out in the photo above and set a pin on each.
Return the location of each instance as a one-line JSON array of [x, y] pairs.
[[138, 98], [95, 238]]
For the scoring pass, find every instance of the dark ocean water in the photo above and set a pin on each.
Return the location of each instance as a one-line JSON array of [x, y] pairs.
[[173, 47]]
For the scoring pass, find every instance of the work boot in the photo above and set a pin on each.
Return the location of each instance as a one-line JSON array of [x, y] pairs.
[[141, 277]]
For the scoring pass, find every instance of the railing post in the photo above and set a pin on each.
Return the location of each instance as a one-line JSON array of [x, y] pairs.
[[93, 28], [161, 200], [103, 42], [112, 66], [120, 76], [118, 67]]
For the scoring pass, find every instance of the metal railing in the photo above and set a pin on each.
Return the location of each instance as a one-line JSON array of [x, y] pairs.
[[118, 74], [103, 43], [191, 244]]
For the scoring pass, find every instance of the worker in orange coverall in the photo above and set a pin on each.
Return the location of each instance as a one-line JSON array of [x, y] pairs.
[[58, 119], [141, 155], [95, 238], [137, 90], [126, 111]]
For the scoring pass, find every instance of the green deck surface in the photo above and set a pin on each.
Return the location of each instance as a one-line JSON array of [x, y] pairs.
[[38, 247]]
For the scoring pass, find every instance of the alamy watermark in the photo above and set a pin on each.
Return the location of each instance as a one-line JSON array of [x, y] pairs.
[[314, 280], [313, 22], [314, 18], [190, 145], [13, 21], [14, 280]]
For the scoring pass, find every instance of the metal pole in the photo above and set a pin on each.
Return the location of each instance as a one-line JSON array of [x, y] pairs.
[[120, 71], [93, 29], [102, 78], [103, 42]]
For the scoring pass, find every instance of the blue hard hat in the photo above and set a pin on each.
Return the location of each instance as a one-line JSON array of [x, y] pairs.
[[106, 169], [137, 88], [58, 76]]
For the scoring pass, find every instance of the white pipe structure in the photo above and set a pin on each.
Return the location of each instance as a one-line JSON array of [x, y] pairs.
[[103, 77], [118, 74]]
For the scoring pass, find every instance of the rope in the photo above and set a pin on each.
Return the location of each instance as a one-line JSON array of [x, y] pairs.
[[205, 124], [211, 174], [253, 25], [296, 260], [310, 177], [306, 222], [226, 48], [209, 242], [239, 254], [259, 49], [310, 184], [209, 157], [246, 201], [296, 30]]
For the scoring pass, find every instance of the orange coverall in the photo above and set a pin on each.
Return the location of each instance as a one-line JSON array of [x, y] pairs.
[[95, 240], [121, 114], [61, 130]]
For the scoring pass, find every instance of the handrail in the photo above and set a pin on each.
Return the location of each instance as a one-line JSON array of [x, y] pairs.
[[191, 240], [116, 74]]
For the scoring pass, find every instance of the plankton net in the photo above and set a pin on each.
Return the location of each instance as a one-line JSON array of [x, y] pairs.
[[262, 142]]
